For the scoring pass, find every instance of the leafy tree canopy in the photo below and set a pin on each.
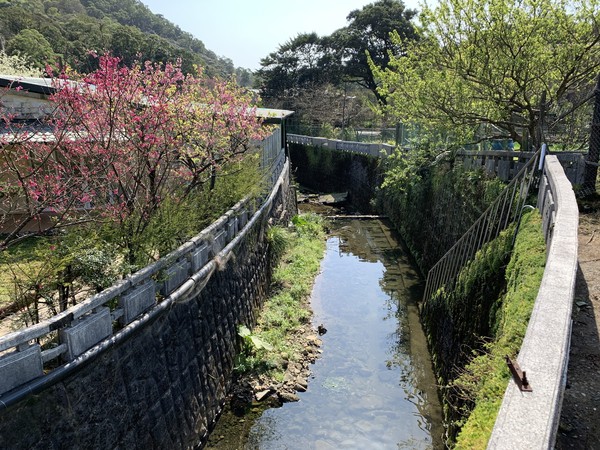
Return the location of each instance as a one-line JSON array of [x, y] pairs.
[[308, 60], [16, 65], [369, 33], [32, 45], [498, 68], [72, 28], [304, 61]]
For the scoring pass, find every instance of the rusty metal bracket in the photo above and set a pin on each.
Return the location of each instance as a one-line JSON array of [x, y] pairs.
[[519, 375]]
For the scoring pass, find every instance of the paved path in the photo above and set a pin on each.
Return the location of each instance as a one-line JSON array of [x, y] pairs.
[[580, 419]]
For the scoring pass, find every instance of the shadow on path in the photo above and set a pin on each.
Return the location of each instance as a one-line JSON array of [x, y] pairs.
[[580, 419]]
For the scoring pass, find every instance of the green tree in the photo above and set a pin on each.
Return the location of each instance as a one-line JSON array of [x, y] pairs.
[[66, 6], [302, 62], [497, 68], [369, 33], [16, 65], [32, 45], [244, 77], [310, 61]]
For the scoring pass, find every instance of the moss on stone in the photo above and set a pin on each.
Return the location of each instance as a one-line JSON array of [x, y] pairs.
[[486, 376]]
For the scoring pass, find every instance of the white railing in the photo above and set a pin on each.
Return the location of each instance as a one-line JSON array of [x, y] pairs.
[[34, 352], [344, 146], [530, 419]]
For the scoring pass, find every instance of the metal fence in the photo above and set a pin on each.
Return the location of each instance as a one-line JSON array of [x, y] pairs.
[[34, 352], [507, 208]]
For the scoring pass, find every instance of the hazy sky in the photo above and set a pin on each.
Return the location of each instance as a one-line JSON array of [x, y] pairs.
[[248, 30]]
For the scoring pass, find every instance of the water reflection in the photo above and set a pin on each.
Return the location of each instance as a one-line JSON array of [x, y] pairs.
[[373, 387]]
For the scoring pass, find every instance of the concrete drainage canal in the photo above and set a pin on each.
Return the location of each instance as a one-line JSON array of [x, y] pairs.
[[373, 386]]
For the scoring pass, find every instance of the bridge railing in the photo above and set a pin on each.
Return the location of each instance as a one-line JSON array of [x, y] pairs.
[[36, 351], [343, 146], [502, 212], [530, 419]]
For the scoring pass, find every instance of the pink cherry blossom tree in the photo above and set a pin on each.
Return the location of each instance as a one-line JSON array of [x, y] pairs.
[[124, 140]]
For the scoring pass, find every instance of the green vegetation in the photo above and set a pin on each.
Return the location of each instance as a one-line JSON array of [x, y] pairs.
[[297, 253], [24, 252], [17, 65], [487, 312], [178, 220], [52, 272], [432, 201], [45, 30], [486, 376], [458, 321], [498, 69], [327, 79]]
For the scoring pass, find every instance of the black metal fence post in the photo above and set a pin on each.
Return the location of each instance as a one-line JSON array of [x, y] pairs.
[[591, 160]]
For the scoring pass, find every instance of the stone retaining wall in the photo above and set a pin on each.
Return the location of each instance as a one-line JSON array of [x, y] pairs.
[[160, 380]]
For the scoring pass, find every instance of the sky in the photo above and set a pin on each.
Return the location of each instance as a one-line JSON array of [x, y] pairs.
[[247, 30]]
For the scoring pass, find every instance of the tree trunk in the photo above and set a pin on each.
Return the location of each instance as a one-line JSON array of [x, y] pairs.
[[213, 178]]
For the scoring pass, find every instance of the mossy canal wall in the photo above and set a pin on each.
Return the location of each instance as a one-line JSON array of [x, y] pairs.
[[431, 215]]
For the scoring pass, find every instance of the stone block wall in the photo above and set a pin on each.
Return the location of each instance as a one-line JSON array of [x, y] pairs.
[[160, 381], [27, 105]]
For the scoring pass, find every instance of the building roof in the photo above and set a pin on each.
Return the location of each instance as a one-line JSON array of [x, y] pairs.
[[29, 84], [268, 113], [38, 131]]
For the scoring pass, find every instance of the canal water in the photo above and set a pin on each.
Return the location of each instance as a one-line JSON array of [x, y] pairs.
[[372, 387]]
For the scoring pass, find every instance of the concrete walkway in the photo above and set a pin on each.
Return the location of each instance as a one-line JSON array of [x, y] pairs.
[[580, 420]]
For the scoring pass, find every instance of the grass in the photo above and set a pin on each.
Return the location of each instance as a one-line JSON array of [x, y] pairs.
[[20, 257], [486, 376], [299, 251]]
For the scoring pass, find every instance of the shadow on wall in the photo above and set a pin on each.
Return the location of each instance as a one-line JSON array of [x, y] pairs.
[[324, 170]]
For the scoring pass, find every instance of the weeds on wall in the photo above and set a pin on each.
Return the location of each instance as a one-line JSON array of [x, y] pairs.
[[473, 327], [43, 275], [296, 253], [431, 201], [486, 376]]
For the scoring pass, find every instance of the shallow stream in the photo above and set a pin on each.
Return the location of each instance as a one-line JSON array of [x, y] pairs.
[[372, 387]]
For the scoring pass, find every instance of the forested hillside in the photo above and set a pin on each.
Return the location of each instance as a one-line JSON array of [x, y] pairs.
[[66, 30]]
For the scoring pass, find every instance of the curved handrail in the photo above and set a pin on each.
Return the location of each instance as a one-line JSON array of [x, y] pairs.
[[96, 319], [530, 419]]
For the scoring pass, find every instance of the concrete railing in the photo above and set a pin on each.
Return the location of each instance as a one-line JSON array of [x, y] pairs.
[[503, 163], [506, 164], [33, 353], [344, 146], [530, 419]]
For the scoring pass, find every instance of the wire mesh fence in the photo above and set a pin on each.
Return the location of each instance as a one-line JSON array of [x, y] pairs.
[[506, 209], [591, 182]]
